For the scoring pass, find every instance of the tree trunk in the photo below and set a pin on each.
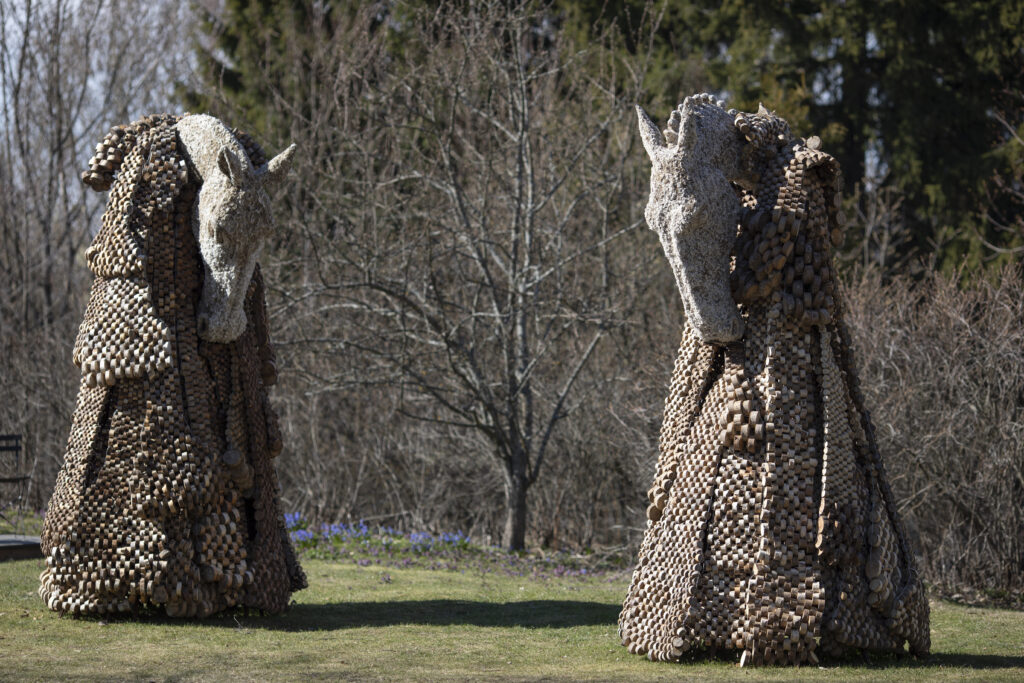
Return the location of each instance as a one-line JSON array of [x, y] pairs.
[[514, 535]]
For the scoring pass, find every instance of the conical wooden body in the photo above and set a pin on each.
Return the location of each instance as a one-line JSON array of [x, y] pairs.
[[772, 529], [168, 496]]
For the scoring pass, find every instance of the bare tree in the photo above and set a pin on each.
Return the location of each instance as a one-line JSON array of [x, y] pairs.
[[1002, 207], [68, 71], [486, 273], [463, 242], [880, 236]]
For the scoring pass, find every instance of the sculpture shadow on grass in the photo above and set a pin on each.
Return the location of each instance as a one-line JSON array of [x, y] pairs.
[[547, 614], [333, 616], [879, 661], [969, 661], [936, 660], [527, 614]]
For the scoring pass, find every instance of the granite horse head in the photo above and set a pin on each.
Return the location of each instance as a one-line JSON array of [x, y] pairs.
[[694, 207], [231, 220]]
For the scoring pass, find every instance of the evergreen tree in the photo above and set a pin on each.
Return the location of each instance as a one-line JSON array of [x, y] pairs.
[[898, 90]]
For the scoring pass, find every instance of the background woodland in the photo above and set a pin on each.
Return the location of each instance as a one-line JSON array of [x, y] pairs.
[[475, 330]]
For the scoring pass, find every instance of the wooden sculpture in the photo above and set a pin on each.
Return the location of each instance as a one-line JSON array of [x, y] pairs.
[[771, 527], [168, 498]]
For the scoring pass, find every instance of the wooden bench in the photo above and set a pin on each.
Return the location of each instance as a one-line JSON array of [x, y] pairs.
[[11, 469], [15, 546]]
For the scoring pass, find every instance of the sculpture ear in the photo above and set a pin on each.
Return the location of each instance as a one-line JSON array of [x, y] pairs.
[[654, 143], [688, 124], [231, 166], [278, 168]]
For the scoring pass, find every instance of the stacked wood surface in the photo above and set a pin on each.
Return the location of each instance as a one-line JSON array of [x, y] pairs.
[[168, 497], [772, 530]]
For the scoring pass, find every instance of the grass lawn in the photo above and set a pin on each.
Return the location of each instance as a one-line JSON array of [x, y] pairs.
[[368, 622], [20, 523]]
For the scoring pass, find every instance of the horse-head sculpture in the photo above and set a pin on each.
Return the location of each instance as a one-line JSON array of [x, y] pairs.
[[694, 207], [168, 496], [231, 220], [769, 502]]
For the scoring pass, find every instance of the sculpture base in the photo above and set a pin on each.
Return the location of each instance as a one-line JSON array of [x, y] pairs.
[[18, 547]]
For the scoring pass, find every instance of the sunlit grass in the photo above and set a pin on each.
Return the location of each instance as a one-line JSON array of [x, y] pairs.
[[21, 522], [387, 623]]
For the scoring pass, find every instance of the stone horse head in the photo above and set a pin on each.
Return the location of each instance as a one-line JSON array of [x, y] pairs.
[[694, 207], [231, 220]]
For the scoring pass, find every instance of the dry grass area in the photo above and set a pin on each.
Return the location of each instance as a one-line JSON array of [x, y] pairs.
[[374, 623]]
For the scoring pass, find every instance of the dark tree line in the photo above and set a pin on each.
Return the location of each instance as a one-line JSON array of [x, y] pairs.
[[923, 97]]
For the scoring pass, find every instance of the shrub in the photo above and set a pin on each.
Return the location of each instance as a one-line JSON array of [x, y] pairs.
[[942, 367]]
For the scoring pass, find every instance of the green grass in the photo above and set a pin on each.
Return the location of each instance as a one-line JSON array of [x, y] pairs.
[[19, 522], [368, 623]]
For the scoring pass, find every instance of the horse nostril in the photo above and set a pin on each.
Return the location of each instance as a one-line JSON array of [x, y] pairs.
[[203, 325], [738, 328]]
